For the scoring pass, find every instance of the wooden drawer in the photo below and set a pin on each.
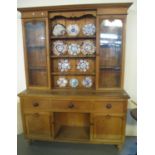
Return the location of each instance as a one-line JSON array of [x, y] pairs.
[[36, 103], [34, 14], [71, 105], [109, 107]]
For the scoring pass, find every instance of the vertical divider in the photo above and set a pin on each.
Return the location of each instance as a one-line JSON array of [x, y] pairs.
[[97, 51], [48, 51]]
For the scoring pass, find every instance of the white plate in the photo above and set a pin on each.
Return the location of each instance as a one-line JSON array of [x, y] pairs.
[[74, 83], [62, 82], [59, 30], [83, 65], [87, 82], [64, 65], [59, 48], [88, 47], [73, 30], [74, 49], [89, 29]]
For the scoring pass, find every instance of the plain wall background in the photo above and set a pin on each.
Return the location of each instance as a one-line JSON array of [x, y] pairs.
[[130, 79]]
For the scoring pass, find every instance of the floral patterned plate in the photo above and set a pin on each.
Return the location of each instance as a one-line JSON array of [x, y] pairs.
[[83, 65], [59, 30], [74, 83], [87, 82], [89, 29], [73, 30], [64, 65], [59, 48], [74, 49], [62, 82], [88, 47]]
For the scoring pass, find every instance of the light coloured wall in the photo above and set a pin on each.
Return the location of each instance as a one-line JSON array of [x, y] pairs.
[[130, 82]]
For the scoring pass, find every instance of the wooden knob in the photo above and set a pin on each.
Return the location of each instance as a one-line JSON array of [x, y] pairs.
[[33, 13], [35, 104], [71, 105], [108, 106], [42, 13]]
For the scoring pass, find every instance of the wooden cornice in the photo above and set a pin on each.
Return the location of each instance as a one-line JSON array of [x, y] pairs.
[[76, 7]]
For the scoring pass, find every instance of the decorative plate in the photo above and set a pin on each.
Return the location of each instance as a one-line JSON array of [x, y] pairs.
[[83, 65], [59, 30], [74, 49], [59, 48], [88, 47], [73, 30], [89, 29], [63, 65], [62, 82], [87, 82], [74, 83]]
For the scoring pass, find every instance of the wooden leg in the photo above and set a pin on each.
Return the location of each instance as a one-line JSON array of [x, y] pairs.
[[119, 147]]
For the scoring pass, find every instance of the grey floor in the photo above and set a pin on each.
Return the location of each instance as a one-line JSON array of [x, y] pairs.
[[55, 148]]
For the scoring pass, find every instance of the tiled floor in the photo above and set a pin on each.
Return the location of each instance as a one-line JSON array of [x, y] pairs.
[[55, 148]]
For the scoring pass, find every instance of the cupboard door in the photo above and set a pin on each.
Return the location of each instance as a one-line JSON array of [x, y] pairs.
[[107, 127], [38, 125], [110, 51], [36, 52]]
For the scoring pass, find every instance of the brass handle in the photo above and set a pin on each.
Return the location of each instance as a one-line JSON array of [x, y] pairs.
[[35, 104], [109, 106], [71, 105]]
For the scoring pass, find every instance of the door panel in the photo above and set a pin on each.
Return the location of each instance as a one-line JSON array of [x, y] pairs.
[[38, 125], [36, 52], [107, 127], [110, 51]]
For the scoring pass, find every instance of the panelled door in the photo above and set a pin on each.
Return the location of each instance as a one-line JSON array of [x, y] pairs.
[[36, 53]]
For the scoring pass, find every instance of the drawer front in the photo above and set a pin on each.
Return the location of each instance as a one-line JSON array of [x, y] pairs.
[[34, 14], [72, 105], [36, 103], [109, 107]]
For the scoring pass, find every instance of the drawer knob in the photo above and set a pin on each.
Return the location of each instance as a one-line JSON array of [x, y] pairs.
[[42, 13], [33, 14], [71, 105], [108, 106], [35, 104]]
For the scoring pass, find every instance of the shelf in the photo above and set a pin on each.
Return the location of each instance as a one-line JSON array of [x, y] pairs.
[[73, 133], [37, 68], [117, 68], [74, 74], [76, 37], [57, 57], [36, 47]]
